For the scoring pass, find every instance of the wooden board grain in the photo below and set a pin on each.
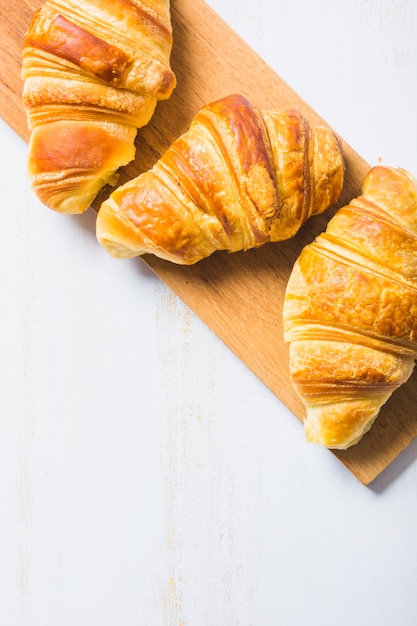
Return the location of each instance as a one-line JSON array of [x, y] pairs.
[[238, 296]]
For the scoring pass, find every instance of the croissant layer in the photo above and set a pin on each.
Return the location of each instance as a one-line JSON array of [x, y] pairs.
[[350, 310], [237, 179], [93, 73]]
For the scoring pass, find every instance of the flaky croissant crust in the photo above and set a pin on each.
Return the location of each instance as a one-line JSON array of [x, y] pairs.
[[237, 179], [93, 73], [350, 312]]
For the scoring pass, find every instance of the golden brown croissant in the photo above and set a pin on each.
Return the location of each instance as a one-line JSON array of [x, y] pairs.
[[237, 179], [93, 73], [350, 312]]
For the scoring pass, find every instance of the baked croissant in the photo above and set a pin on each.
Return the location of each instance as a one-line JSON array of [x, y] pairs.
[[93, 73], [237, 179], [350, 311]]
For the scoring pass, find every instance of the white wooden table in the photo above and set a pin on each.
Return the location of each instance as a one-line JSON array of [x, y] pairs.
[[147, 478]]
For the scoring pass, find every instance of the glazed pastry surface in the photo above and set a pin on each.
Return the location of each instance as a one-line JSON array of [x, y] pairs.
[[93, 73], [350, 311], [237, 179]]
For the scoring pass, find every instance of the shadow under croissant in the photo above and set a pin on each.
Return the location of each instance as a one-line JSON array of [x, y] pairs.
[[394, 471], [387, 435]]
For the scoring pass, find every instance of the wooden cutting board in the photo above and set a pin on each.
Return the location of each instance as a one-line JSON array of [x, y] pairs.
[[238, 296]]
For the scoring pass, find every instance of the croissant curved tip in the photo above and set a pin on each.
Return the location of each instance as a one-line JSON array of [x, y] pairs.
[[342, 424]]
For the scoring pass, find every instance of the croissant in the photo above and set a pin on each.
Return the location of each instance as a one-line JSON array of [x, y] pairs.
[[237, 179], [350, 310], [93, 73]]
